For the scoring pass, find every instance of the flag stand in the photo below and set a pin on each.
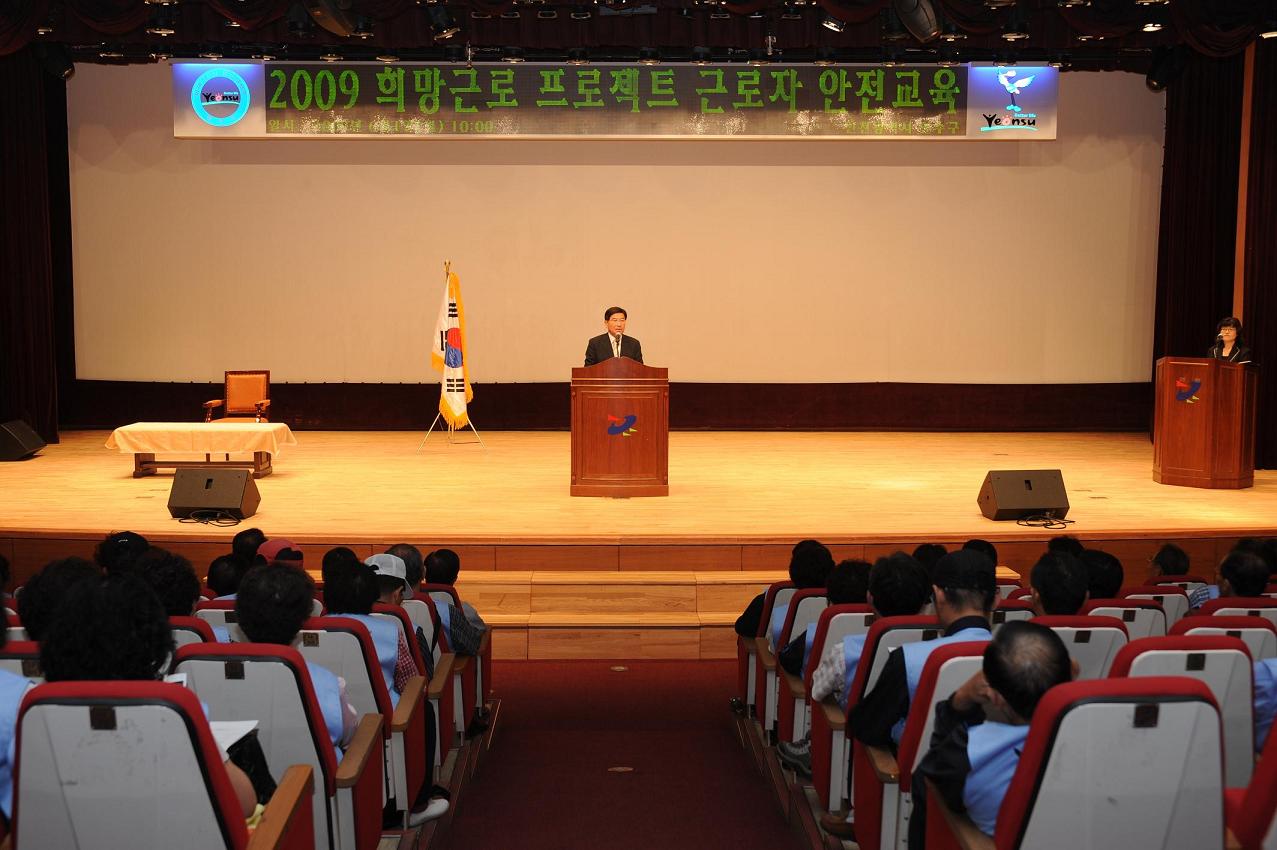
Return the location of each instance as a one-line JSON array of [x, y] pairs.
[[451, 434]]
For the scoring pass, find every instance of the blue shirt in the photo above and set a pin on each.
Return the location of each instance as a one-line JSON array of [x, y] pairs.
[[385, 639], [12, 689], [328, 694], [993, 750], [853, 646], [1265, 699], [778, 623], [915, 657]]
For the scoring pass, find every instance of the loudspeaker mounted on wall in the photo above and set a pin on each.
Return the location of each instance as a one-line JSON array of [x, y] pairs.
[[919, 17], [1020, 493], [209, 490], [18, 440]]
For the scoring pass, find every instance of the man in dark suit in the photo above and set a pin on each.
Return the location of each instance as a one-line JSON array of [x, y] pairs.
[[614, 343]]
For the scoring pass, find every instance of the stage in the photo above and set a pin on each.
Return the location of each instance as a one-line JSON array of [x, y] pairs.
[[666, 574]]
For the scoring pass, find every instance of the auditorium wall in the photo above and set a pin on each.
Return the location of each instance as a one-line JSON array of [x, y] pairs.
[[1018, 264]]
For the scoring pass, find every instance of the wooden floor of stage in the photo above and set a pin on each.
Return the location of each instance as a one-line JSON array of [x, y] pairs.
[[724, 487]]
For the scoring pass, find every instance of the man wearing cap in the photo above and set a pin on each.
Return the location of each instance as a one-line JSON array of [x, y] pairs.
[[964, 590], [277, 551]]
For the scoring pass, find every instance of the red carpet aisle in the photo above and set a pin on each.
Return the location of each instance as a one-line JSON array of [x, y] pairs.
[[546, 784]]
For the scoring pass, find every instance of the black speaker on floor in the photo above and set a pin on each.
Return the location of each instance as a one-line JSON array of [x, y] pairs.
[[231, 491], [1019, 493], [18, 441]]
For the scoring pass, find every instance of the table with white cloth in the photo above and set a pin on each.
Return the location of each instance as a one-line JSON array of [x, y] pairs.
[[181, 444]]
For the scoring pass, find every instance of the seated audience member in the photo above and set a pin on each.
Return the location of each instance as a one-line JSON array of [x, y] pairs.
[[964, 590], [5, 575], [847, 584], [898, 587], [1170, 561], [115, 629], [272, 605], [984, 547], [225, 574], [1059, 584], [45, 592], [1066, 543], [748, 622], [279, 552], [1240, 574], [1104, 574], [929, 554], [808, 569], [464, 626], [980, 730], [12, 689], [172, 578], [245, 544], [119, 551], [414, 566], [350, 590]]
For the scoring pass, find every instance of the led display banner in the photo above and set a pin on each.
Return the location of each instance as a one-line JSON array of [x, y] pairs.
[[539, 100]]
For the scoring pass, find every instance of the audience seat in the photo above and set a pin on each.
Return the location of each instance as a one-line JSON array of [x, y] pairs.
[[830, 743], [473, 677], [344, 646], [1115, 764], [1142, 617], [442, 694], [1188, 584], [22, 658], [747, 648], [1092, 642], [191, 630], [133, 764], [881, 784], [1251, 811], [1174, 600], [1242, 606], [1258, 633], [1022, 593], [15, 631], [1009, 610], [1006, 586], [1224, 664], [217, 612], [271, 685], [788, 719]]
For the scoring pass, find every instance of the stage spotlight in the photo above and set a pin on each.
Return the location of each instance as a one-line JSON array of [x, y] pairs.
[[701, 56], [388, 58], [512, 54], [791, 12], [1016, 29], [442, 25], [1069, 4], [547, 14], [892, 29], [1268, 30], [919, 17], [825, 57], [363, 28], [510, 15], [581, 13], [330, 57], [1168, 63], [649, 56], [578, 56], [951, 34], [758, 56], [829, 22], [162, 23], [999, 4]]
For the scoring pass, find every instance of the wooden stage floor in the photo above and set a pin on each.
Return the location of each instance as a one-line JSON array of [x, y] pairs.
[[724, 487]]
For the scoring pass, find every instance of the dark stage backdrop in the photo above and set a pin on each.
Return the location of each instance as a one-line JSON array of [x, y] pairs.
[[1260, 295]]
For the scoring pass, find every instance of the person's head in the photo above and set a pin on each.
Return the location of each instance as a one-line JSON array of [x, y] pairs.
[[614, 319], [1104, 574], [225, 574], [350, 587], [898, 586], [964, 585], [810, 564], [4, 573], [1022, 662], [1066, 543], [273, 602], [443, 566], [279, 552], [390, 573], [1265, 549], [119, 551], [984, 547], [172, 579], [1170, 560], [43, 594], [1240, 574], [929, 554], [107, 628], [1230, 330], [848, 583], [246, 543], [1059, 584], [413, 564]]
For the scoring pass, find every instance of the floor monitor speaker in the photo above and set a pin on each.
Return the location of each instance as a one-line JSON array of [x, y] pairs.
[[18, 441], [207, 489], [1019, 493]]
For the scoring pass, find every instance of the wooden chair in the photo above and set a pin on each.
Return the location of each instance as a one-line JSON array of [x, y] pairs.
[[245, 397]]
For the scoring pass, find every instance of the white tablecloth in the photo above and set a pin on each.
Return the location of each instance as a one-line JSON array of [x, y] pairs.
[[201, 438]]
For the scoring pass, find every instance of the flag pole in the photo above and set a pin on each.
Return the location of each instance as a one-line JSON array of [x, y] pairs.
[[447, 273]]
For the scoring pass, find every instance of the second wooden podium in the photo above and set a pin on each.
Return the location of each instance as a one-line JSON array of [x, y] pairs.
[[620, 429]]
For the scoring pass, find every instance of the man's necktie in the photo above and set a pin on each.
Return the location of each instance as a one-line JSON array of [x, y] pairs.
[[616, 346]]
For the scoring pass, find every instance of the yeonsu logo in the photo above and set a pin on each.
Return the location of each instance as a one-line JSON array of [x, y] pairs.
[[1186, 390], [220, 97], [622, 426], [1015, 117]]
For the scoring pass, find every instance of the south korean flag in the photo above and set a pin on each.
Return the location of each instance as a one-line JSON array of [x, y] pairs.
[[449, 356]]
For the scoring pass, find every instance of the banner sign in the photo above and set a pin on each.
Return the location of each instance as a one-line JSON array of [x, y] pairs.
[[540, 100]]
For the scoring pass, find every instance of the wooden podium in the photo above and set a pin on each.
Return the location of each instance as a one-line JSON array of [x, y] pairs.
[[1204, 426], [620, 429]]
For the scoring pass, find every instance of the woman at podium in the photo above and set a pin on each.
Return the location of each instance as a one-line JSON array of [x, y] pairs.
[[1228, 343]]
